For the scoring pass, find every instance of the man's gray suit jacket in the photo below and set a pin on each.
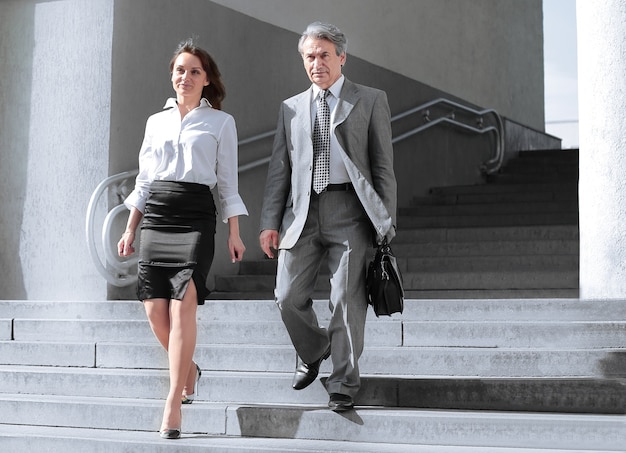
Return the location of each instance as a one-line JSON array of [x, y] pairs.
[[363, 129]]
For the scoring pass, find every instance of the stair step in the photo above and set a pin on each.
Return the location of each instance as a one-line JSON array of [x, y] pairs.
[[489, 263], [497, 197], [511, 334], [519, 187], [549, 218], [454, 309], [17, 438], [547, 177], [44, 353], [83, 330], [369, 425], [31, 333], [422, 355], [490, 209], [450, 280], [568, 164], [544, 309], [438, 427], [422, 294], [59, 309], [550, 155], [134, 414], [491, 280], [530, 166], [544, 158], [484, 293], [453, 263], [512, 233], [488, 248]]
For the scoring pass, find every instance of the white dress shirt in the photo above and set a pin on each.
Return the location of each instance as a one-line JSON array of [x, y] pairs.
[[201, 148], [338, 173]]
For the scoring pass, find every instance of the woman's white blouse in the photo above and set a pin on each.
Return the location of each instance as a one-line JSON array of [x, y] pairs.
[[202, 148]]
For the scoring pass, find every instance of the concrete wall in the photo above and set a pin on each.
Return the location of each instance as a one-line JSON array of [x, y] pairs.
[[488, 52], [55, 85]]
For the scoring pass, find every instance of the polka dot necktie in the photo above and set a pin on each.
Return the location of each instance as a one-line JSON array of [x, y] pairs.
[[321, 144]]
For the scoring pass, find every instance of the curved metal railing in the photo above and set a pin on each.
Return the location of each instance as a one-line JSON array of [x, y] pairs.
[[490, 166], [117, 270]]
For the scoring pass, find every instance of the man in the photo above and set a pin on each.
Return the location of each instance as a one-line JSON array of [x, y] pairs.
[[332, 196]]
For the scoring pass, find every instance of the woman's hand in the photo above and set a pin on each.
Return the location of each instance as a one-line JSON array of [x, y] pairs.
[[235, 244], [125, 244], [236, 248]]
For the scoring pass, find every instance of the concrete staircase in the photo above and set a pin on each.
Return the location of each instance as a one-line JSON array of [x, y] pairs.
[[446, 376], [514, 236]]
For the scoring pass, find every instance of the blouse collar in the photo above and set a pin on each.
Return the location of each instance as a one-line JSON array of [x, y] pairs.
[[171, 103]]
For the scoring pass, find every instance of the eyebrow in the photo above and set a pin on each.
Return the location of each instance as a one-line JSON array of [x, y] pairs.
[[324, 52], [193, 67]]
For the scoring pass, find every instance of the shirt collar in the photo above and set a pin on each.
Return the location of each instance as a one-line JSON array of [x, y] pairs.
[[335, 88], [171, 103]]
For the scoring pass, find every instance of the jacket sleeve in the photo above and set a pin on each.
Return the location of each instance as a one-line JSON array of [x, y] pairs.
[[381, 156], [278, 181]]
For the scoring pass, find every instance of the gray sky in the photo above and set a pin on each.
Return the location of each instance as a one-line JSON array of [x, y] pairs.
[[561, 70]]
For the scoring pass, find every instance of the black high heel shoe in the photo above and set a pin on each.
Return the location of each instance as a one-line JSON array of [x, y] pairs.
[[188, 399], [171, 433]]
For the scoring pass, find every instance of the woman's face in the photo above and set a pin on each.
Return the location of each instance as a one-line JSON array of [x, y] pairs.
[[188, 76]]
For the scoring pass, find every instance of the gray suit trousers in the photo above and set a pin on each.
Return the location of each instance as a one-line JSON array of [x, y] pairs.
[[338, 228]]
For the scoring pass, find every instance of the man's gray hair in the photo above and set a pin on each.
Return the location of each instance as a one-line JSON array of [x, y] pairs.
[[320, 30]]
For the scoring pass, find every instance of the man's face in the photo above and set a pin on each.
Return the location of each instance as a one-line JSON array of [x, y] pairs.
[[321, 62]]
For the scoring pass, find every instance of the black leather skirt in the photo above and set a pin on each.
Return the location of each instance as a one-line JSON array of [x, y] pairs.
[[177, 241]]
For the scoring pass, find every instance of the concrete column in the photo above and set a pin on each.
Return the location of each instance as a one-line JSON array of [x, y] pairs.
[[602, 188], [54, 140]]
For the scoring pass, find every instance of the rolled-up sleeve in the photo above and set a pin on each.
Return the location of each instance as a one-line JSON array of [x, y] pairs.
[[230, 201], [139, 195]]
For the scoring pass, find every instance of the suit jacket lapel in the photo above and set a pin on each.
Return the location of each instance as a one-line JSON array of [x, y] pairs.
[[302, 122], [348, 98]]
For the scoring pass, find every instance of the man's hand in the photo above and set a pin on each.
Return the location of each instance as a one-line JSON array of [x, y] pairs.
[[269, 242]]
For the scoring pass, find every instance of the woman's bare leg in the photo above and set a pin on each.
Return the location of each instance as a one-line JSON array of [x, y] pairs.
[[181, 346], [158, 312]]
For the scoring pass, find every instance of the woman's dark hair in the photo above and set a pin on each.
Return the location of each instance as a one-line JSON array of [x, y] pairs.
[[215, 91]]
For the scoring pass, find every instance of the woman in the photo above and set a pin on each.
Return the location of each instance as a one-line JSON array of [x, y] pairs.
[[188, 149]]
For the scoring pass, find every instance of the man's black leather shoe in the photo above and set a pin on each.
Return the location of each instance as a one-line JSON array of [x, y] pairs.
[[340, 403], [307, 372]]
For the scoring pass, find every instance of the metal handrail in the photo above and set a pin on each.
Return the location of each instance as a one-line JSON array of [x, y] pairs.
[[490, 166], [122, 277], [116, 270]]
